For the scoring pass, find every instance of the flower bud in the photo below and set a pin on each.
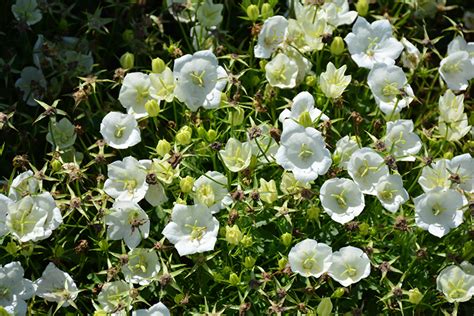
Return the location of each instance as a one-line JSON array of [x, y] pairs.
[[184, 135], [152, 107], [448, 155], [249, 262], [339, 292], [100, 313], [324, 307], [337, 46], [282, 263], [313, 212], [236, 116], [56, 165], [163, 147], [267, 11], [127, 35], [211, 135], [247, 241], [253, 12], [11, 248], [202, 133], [233, 235], [415, 296], [186, 184], [311, 80], [127, 60], [305, 119], [364, 228], [158, 65], [234, 279], [286, 239], [362, 7]]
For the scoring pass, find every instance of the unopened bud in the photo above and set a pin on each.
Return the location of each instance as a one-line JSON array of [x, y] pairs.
[[267, 11], [158, 65], [286, 239], [127, 60], [186, 184], [163, 147], [253, 12], [362, 7], [337, 46], [152, 107]]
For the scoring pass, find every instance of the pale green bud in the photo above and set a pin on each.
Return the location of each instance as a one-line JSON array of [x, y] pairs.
[[236, 116], [253, 12], [311, 80], [184, 135], [337, 46], [163, 147], [211, 135], [56, 165], [313, 212], [282, 263], [339, 292], [267, 11], [249, 262], [152, 107], [186, 184], [158, 65], [247, 241], [286, 239], [324, 307], [127, 60], [234, 279], [362, 7], [415, 296], [233, 235]]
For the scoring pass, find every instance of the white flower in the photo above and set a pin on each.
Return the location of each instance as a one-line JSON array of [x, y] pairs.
[[120, 130], [451, 106], [32, 83], [23, 184], [401, 141], [372, 43], [313, 23], [345, 147], [304, 64], [199, 80], [303, 102], [282, 71], [341, 199], [439, 210], [271, 35], [292, 187], [435, 176], [209, 14], [264, 147], [210, 189], [337, 12], [349, 265], [411, 55], [192, 229], [389, 86], [333, 82], [61, 134], [457, 69], [454, 130], [456, 284], [33, 217], [163, 170], [303, 152], [127, 180], [4, 202], [27, 11], [56, 286], [162, 85], [310, 258], [115, 296], [296, 36], [134, 93], [236, 155], [366, 167], [142, 266], [127, 221], [14, 288], [460, 44], [390, 192], [463, 167], [158, 309], [156, 194]]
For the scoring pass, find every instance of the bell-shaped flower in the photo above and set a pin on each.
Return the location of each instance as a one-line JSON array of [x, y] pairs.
[[192, 229], [236, 155], [457, 69], [56, 286], [128, 221], [451, 106], [115, 298], [349, 265], [27, 11], [438, 211], [435, 176], [333, 82], [454, 130], [199, 80], [303, 104], [23, 184], [142, 266], [401, 141], [126, 180], [411, 55], [456, 284], [391, 193], [264, 147], [282, 71], [4, 202], [210, 190], [310, 258], [33, 85], [366, 167], [389, 86], [61, 134], [268, 191], [341, 199], [345, 147], [209, 14], [372, 43], [162, 85], [271, 36], [292, 187], [15, 289], [134, 93], [461, 168], [314, 24], [33, 218], [159, 309], [120, 130], [303, 152], [337, 12]]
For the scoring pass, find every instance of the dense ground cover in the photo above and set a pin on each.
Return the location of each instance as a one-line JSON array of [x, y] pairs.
[[251, 157]]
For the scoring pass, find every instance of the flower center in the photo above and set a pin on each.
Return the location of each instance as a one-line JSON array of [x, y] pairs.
[[197, 78], [340, 199], [452, 67], [205, 194], [437, 209], [197, 232], [390, 89], [350, 271], [309, 263], [119, 131], [305, 152]]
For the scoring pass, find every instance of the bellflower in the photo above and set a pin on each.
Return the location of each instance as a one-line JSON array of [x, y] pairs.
[[310, 258], [366, 167], [341, 199], [349, 265]]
